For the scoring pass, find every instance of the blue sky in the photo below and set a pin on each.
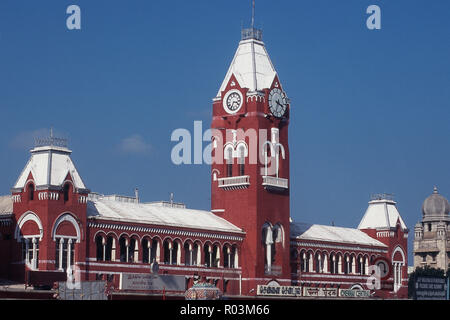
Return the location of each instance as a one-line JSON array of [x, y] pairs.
[[370, 109]]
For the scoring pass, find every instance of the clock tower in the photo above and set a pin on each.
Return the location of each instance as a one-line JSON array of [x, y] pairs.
[[250, 169]]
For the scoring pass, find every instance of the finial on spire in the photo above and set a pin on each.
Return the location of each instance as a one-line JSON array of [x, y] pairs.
[[50, 141], [252, 32], [435, 190]]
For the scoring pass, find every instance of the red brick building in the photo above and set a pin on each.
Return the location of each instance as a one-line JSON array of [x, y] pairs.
[[246, 245]]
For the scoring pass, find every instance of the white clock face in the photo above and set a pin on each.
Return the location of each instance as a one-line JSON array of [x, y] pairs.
[[233, 101], [277, 102]]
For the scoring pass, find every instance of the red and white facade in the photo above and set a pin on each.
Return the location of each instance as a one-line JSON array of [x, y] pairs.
[[51, 223]]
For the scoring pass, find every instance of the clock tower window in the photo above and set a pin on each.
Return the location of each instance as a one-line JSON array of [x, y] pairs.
[[229, 161], [31, 191], [241, 160]]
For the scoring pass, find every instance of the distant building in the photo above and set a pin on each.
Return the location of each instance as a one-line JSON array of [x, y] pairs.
[[431, 235]]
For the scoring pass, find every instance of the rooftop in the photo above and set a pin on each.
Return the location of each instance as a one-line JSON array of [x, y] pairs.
[[316, 232], [159, 213]]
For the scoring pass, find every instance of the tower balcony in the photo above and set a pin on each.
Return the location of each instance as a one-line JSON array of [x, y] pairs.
[[274, 183], [233, 183]]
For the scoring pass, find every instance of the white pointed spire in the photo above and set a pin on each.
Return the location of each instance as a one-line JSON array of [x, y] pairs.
[[50, 163], [381, 213], [251, 64]]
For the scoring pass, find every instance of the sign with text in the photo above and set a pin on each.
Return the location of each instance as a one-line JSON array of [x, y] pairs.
[[349, 293], [150, 282], [287, 291], [320, 292], [430, 288]]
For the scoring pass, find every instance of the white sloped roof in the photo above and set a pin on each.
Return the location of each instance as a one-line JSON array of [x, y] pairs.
[[306, 231], [251, 66], [381, 214], [158, 215], [6, 205], [49, 167]]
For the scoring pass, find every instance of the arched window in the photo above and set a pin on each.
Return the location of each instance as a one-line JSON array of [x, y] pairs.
[[110, 251], [176, 253], [123, 243], [196, 255], [346, 264], [216, 256], [229, 161], [66, 192], [155, 251], [333, 266], [30, 251], [303, 265], [207, 250], [268, 241], [31, 191], [133, 251], [100, 244], [167, 247], [226, 253], [188, 254], [65, 252], [145, 251], [241, 160]]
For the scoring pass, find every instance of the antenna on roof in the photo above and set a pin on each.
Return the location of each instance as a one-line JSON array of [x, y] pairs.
[[253, 14], [136, 194], [171, 199]]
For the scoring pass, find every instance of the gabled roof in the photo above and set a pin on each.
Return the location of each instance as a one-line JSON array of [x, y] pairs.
[[381, 214], [50, 166], [251, 66], [156, 214], [316, 232]]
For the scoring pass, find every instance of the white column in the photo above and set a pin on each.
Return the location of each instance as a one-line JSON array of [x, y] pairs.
[[27, 248], [136, 251], [104, 248], [179, 255], [69, 253], [325, 264], [366, 266], [158, 252], [113, 250], [61, 242], [34, 261], [269, 256], [150, 251]]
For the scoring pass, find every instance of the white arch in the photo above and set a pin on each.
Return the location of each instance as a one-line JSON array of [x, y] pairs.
[[69, 218], [226, 153], [28, 216], [242, 144], [398, 249]]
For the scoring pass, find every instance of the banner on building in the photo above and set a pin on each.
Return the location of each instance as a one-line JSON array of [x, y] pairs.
[[287, 291], [320, 292], [151, 282], [352, 293]]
